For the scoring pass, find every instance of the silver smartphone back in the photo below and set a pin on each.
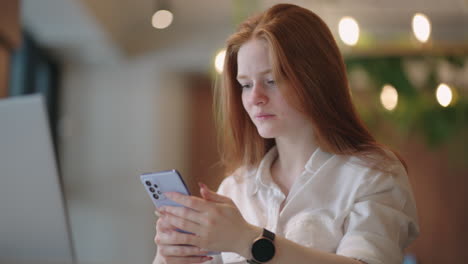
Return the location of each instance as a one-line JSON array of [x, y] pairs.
[[158, 183]]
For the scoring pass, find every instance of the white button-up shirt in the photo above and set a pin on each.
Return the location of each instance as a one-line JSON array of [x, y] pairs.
[[336, 205]]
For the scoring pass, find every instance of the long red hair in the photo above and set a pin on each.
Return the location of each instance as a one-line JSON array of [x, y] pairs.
[[304, 55]]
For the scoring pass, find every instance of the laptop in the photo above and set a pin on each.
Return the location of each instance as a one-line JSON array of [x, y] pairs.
[[33, 220]]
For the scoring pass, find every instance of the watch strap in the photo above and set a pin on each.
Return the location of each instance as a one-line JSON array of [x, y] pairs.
[[268, 234]]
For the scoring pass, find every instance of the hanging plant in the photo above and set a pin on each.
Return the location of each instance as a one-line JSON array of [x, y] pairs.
[[415, 79]]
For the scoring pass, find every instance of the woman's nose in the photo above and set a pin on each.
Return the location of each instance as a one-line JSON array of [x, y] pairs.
[[258, 95]]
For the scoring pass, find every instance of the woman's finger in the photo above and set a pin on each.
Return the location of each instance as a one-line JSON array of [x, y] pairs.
[[182, 223], [181, 251], [212, 196], [175, 238], [187, 260], [183, 212], [195, 203], [163, 225]]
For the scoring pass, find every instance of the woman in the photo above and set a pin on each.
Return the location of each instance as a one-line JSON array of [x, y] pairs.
[[308, 183]]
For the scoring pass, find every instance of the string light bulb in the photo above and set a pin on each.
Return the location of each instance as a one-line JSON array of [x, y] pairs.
[[421, 27], [219, 61], [444, 94], [348, 29], [389, 97], [162, 19]]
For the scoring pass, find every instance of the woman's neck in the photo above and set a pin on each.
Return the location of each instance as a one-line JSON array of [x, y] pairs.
[[295, 151], [293, 154]]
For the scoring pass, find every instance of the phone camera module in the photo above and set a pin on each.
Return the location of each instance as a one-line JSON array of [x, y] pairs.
[[148, 183], [151, 189], [156, 196]]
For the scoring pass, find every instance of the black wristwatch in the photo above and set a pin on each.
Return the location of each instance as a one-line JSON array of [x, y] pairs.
[[263, 248]]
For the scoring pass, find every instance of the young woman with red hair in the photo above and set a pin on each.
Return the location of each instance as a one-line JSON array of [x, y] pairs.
[[307, 181]]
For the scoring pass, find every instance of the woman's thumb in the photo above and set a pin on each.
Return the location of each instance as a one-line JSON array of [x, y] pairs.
[[209, 195]]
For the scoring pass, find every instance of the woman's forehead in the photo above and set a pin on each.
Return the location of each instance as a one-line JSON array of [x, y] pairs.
[[253, 57]]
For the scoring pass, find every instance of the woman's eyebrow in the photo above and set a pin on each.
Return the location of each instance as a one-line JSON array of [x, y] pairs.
[[260, 73]]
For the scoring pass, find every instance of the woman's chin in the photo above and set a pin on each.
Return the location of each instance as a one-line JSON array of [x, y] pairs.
[[266, 133]]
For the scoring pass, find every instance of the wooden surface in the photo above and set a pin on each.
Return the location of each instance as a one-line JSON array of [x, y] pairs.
[[204, 158], [4, 72], [10, 38], [10, 29], [439, 182]]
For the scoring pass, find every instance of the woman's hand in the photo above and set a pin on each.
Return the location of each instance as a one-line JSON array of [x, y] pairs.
[[169, 252], [214, 220]]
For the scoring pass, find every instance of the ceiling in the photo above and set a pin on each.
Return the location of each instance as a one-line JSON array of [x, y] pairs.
[[96, 31]]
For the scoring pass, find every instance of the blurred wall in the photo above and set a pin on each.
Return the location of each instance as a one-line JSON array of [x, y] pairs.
[[118, 121], [439, 183]]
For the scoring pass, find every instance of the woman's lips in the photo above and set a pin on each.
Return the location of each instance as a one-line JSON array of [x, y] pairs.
[[264, 116]]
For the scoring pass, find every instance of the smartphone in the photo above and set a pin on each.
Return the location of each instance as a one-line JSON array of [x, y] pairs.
[[158, 183]]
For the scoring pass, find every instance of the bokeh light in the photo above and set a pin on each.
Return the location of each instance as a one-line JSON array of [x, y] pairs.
[[421, 27], [444, 95], [162, 19], [348, 29], [219, 61], [389, 97]]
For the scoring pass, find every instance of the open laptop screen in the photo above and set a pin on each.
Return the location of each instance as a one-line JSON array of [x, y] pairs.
[[33, 222]]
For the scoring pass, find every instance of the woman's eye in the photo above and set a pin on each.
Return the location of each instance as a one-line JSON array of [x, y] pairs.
[[271, 82], [244, 86]]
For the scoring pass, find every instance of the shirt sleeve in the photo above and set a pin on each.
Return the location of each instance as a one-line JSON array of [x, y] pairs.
[[382, 221]]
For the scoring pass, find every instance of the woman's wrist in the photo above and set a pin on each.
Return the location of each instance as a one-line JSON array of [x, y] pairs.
[[247, 238]]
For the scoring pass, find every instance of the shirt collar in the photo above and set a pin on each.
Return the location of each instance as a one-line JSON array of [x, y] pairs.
[[262, 175], [317, 160]]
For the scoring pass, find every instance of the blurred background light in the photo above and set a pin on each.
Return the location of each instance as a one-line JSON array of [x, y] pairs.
[[444, 95], [219, 61], [389, 97], [348, 29], [162, 19], [421, 27]]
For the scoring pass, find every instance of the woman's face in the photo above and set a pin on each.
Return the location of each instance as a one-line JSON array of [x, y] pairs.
[[261, 96]]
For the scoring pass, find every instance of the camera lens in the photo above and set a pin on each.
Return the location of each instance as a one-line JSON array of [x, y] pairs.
[[159, 192], [151, 189], [155, 196], [155, 186], [148, 183]]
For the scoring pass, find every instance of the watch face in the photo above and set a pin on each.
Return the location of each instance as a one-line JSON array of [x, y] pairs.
[[263, 250]]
